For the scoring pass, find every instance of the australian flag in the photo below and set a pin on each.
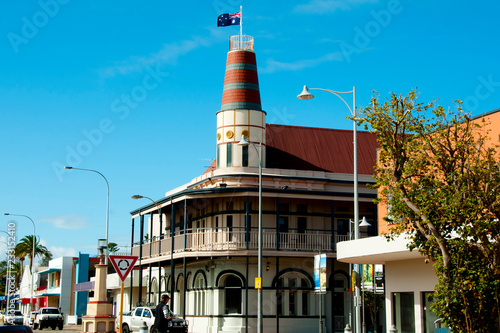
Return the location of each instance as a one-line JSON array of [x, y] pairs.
[[228, 19]]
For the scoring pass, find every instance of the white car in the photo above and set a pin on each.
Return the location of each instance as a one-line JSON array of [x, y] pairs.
[[29, 319], [13, 318]]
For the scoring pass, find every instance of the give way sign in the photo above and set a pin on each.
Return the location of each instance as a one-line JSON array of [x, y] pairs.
[[123, 265]]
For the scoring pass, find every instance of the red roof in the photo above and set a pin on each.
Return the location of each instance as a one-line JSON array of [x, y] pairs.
[[317, 149], [320, 149]]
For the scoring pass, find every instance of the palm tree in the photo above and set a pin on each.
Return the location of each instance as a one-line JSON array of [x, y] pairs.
[[24, 249]]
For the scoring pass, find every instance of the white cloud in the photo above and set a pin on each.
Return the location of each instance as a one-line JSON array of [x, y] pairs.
[[328, 6], [273, 66], [58, 251], [168, 54], [67, 221]]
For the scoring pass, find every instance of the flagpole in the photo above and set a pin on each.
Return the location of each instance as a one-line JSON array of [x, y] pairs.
[[241, 24]]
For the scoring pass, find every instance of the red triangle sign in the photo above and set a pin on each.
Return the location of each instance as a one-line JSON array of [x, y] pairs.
[[123, 265]]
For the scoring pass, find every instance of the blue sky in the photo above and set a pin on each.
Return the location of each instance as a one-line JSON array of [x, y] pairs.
[[131, 88]]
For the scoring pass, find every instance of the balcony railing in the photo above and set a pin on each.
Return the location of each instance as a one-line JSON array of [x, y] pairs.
[[224, 239]]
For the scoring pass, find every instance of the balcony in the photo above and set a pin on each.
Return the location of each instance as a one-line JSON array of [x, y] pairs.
[[225, 239]]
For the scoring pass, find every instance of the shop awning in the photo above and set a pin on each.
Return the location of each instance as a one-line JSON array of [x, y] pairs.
[[49, 270]]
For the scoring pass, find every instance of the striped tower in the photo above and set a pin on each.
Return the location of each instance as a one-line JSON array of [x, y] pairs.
[[241, 112]]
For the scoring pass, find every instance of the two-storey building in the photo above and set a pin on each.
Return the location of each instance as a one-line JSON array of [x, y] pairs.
[[199, 243]]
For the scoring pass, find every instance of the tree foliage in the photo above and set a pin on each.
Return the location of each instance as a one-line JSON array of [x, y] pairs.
[[439, 173], [24, 249], [113, 247]]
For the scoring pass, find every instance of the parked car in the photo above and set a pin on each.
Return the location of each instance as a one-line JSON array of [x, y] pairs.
[[48, 317], [29, 319], [140, 316], [13, 318], [135, 319]]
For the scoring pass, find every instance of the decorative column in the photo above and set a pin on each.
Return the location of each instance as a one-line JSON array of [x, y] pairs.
[[99, 316]]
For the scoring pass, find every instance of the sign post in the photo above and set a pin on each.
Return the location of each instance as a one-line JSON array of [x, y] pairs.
[[123, 265], [320, 283]]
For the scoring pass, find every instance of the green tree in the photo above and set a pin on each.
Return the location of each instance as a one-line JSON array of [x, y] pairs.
[[113, 247], [24, 249], [374, 303], [439, 174]]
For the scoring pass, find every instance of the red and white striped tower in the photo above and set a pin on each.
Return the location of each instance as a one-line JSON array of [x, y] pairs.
[[241, 112]]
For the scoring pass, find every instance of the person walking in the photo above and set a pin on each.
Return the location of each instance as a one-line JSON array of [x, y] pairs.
[[162, 315]]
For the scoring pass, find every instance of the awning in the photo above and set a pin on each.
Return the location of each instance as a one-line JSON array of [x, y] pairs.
[[3, 298], [47, 294], [49, 270]]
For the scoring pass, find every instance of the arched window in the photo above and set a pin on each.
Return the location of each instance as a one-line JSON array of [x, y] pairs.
[[340, 300], [199, 294], [232, 297], [294, 294], [153, 291]]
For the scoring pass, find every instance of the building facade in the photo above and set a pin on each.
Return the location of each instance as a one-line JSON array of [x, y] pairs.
[[199, 243], [409, 279]]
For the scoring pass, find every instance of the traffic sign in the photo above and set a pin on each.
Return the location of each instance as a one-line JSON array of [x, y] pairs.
[[123, 265]]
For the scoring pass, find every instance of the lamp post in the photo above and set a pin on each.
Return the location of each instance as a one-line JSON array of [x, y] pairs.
[[245, 142], [107, 204], [136, 197], [305, 95], [32, 255]]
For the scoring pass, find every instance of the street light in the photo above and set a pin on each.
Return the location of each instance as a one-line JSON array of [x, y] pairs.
[[107, 204], [245, 142], [136, 197], [305, 95], [32, 255]]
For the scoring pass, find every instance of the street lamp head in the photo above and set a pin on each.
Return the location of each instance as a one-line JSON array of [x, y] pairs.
[[137, 196], [243, 141], [364, 223], [305, 94], [68, 167]]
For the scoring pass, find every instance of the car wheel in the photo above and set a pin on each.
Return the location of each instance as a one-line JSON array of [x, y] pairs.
[[125, 329], [60, 327], [154, 330]]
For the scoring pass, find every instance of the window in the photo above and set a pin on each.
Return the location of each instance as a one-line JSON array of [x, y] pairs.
[[404, 312], [233, 300], [301, 225], [229, 225], [229, 155], [284, 208], [138, 312], [302, 208], [293, 294], [429, 316], [244, 156], [342, 227], [217, 156], [199, 295], [283, 224]]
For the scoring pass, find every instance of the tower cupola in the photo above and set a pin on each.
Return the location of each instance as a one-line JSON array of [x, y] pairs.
[[241, 112]]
